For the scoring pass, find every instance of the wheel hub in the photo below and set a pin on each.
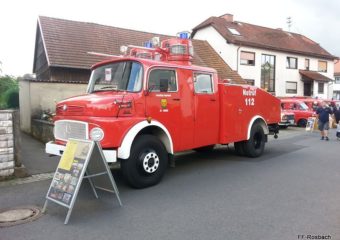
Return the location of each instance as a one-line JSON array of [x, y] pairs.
[[150, 162]]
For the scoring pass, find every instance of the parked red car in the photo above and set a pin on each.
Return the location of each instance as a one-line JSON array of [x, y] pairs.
[[287, 118], [299, 108]]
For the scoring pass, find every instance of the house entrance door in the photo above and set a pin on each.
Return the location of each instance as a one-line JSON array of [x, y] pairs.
[[307, 89]]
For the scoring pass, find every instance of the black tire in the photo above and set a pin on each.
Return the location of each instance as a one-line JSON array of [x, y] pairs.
[[205, 149], [147, 162], [239, 148], [302, 123], [254, 147]]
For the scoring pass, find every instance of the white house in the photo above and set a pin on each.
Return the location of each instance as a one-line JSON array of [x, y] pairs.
[[283, 63]]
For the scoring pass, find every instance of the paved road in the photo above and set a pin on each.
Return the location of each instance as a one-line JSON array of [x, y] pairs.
[[293, 189], [34, 157]]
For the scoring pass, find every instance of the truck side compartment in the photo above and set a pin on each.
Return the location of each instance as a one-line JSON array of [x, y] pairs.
[[240, 107]]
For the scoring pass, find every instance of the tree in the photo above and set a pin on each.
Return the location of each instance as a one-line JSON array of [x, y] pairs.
[[9, 92]]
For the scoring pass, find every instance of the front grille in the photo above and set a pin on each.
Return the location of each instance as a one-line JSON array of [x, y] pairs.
[[65, 129], [290, 117]]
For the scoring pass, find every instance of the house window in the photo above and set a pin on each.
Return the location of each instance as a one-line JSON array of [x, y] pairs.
[[250, 82], [337, 80], [234, 31], [307, 64], [321, 88], [322, 66], [291, 87], [268, 72], [291, 63], [247, 58], [336, 95]]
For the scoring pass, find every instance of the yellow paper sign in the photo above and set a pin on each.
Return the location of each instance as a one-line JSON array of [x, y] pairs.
[[68, 156]]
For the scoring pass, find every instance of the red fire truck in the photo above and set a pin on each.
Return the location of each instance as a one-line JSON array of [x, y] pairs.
[[152, 102]]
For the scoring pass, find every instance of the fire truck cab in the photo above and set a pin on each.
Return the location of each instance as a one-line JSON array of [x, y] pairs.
[[152, 102]]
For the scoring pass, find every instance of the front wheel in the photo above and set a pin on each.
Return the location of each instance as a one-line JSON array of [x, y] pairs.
[[302, 123], [147, 162], [254, 146]]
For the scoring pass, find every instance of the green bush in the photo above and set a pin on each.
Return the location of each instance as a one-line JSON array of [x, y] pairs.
[[9, 92], [11, 98]]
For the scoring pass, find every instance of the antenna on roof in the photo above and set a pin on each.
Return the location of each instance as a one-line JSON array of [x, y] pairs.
[[289, 23], [102, 54]]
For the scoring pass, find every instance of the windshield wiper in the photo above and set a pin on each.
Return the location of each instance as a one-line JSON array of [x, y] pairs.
[[115, 88], [107, 87]]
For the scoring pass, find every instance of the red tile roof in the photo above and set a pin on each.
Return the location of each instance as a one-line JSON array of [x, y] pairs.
[[67, 43], [265, 38], [311, 75]]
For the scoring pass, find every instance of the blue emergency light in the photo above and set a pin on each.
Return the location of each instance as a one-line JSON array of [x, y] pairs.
[[183, 35], [148, 44]]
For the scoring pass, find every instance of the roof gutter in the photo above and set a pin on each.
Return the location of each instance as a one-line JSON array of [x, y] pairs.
[[328, 57]]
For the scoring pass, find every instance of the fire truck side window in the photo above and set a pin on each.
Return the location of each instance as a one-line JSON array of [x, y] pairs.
[[162, 80], [203, 83]]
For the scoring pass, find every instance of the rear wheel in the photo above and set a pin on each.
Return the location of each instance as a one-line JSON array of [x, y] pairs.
[[239, 148], [254, 147], [147, 162]]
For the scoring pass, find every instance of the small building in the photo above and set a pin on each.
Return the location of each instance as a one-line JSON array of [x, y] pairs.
[[336, 86], [62, 63], [281, 62]]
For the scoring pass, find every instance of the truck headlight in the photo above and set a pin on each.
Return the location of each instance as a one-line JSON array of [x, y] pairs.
[[96, 134]]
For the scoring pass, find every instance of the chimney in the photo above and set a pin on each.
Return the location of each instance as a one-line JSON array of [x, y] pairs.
[[228, 17]]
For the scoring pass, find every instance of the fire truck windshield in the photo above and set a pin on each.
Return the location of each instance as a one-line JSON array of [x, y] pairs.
[[118, 76]]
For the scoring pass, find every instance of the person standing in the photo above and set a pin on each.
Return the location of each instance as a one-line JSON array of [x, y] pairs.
[[336, 113], [323, 113]]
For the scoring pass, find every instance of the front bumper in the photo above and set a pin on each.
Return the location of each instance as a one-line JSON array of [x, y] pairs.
[[287, 123], [57, 149]]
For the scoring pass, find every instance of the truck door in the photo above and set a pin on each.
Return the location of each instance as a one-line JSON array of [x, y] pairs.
[[163, 101], [206, 112]]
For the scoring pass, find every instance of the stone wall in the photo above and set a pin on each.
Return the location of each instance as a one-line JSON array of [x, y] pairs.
[[42, 130], [6, 143], [10, 145]]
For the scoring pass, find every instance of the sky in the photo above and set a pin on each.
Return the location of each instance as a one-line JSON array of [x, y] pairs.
[[316, 19]]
